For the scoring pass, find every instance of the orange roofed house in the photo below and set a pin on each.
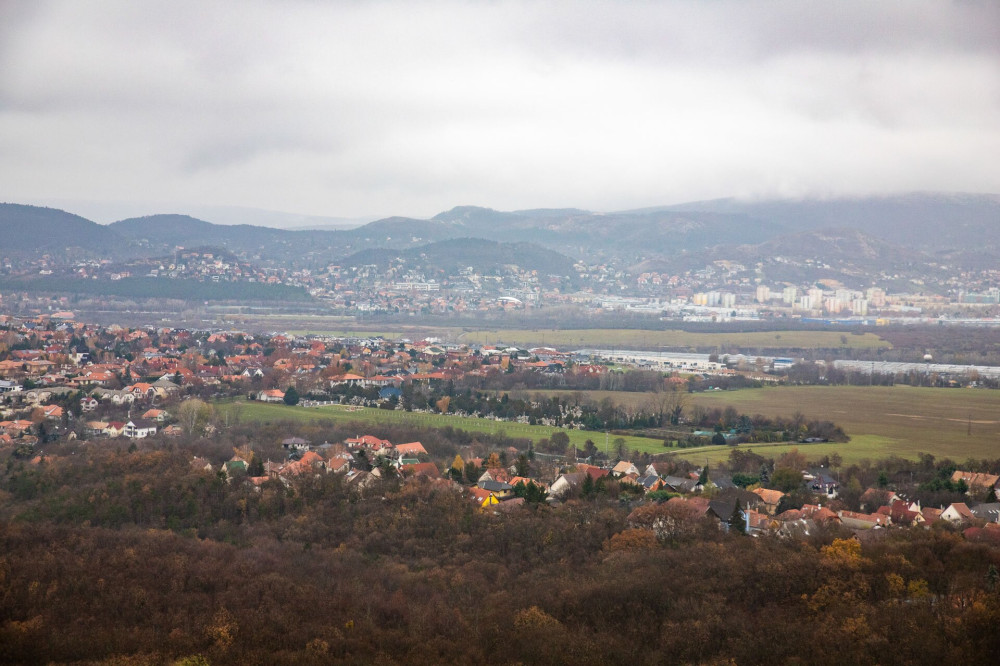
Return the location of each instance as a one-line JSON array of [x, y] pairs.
[[977, 480], [410, 450], [271, 395], [770, 498], [369, 443]]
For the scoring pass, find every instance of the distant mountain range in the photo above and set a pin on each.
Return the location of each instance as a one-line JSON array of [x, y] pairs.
[[852, 234]]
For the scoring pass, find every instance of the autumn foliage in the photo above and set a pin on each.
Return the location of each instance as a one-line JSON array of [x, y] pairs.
[[109, 556]]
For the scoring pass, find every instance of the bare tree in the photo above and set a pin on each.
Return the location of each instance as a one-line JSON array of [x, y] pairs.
[[230, 415], [193, 415]]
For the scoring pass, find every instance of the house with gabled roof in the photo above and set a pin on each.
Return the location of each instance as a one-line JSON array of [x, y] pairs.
[[115, 396], [900, 513], [500, 489], [158, 415], [661, 469], [484, 498], [369, 443], [873, 498], [931, 515], [624, 467], [679, 484], [722, 509], [989, 512], [338, 464], [819, 514], [770, 498], [95, 428], [295, 443], [139, 428], [141, 390], [958, 513], [53, 412], [410, 450], [565, 483], [757, 523], [427, 469], [310, 463], [863, 521], [650, 483], [977, 480], [233, 466], [271, 395]]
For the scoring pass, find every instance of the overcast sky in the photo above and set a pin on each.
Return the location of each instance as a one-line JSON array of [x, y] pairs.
[[368, 109]]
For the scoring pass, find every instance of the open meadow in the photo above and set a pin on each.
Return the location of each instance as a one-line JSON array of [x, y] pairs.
[[586, 337], [366, 416], [603, 337], [881, 420]]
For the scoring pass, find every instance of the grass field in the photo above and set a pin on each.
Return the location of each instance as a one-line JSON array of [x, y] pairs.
[[591, 337], [881, 420], [600, 337], [259, 411]]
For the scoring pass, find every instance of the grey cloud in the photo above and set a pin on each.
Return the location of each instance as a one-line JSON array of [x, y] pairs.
[[373, 108]]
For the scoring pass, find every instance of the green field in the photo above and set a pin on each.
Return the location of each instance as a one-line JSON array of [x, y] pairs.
[[881, 420], [589, 337], [259, 411], [599, 337]]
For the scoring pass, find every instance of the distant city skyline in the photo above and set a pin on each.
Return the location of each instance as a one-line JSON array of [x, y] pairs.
[[365, 110]]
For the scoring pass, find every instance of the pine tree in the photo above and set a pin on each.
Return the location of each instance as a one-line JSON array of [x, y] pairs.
[[737, 522], [992, 578]]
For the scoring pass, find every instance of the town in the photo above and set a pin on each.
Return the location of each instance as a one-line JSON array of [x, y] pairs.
[[721, 291], [308, 449], [64, 380]]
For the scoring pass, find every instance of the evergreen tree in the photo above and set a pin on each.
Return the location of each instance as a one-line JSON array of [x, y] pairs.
[[992, 578], [737, 522]]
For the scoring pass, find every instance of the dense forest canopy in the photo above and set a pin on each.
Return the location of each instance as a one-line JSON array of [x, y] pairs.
[[118, 553]]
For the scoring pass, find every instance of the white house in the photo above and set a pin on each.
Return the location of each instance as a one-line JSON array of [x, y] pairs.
[[139, 428]]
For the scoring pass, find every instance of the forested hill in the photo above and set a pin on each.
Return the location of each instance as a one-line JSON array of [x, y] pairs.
[[33, 230], [920, 229], [452, 255], [168, 230]]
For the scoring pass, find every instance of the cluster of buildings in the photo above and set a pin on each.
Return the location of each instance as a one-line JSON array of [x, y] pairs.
[[759, 511], [722, 290], [675, 502], [92, 380]]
